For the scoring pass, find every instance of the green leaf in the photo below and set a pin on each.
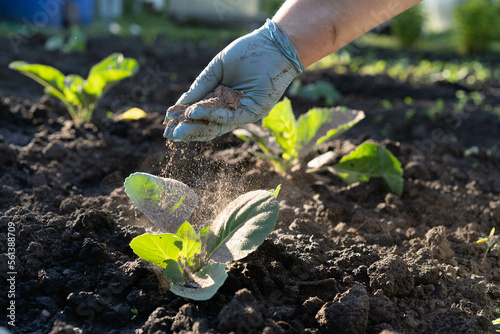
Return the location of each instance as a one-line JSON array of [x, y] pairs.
[[73, 88], [282, 124], [108, 71], [342, 120], [130, 115], [157, 248], [371, 160], [204, 283], [49, 90], [80, 96], [242, 226], [321, 124], [276, 191], [77, 40], [191, 243], [173, 271], [166, 202], [310, 123], [264, 140], [46, 76], [204, 231]]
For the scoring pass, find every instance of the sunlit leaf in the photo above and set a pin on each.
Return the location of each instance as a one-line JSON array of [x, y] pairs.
[[276, 191], [321, 124], [191, 243], [242, 226], [282, 124], [157, 248], [108, 71], [166, 202], [46, 76], [130, 115], [371, 160]]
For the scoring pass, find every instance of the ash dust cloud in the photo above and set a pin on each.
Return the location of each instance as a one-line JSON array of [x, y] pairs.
[[216, 182]]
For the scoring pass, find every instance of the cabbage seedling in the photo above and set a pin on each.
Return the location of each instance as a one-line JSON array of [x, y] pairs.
[[490, 243], [496, 322], [195, 262], [80, 96], [291, 140], [366, 161]]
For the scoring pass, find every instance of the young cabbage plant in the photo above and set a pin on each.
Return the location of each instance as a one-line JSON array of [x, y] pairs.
[[195, 262], [289, 140], [490, 243], [80, 96], [366, 161]]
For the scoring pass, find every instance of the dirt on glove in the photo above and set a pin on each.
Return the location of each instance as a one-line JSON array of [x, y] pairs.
[[221, 97]]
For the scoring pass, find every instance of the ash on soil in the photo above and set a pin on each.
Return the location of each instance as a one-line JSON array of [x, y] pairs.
[[406, 265]]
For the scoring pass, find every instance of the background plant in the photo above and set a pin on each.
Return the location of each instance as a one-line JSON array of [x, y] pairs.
[[476, 25], [437, 110], [80, 96], [74, 41], [407, 26], [318, 91], [366, 161], [405, 69], [490, 242], [195, 262], [285, 140]]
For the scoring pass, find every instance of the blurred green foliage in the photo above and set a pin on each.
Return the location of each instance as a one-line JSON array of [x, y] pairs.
[[476, 25], [405, 69], [318, 91], [270, 7], [75, 40], [407, 26]]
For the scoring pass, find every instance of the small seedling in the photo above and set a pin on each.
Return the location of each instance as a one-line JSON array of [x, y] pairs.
[[386, 104], [490, 242], [74, 41], [80, 96], [289, 140], [135, 313], [408, 101], [195, 262], [496, 322], [410, 113], [438, 109], [132, 114], [366, 161]]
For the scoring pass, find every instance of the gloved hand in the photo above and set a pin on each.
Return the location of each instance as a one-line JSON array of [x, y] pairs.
[[261, 64]]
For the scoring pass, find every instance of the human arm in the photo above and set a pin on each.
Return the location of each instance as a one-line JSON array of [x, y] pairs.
[[263, 63], [318, 28]]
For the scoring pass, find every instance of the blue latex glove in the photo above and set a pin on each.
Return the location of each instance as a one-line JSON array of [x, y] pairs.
[[261, 64]]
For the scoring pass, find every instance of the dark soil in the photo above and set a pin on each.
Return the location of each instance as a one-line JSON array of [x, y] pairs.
[[342, 259]]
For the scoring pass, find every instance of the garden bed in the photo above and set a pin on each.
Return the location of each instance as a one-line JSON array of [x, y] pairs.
[[342, 259]]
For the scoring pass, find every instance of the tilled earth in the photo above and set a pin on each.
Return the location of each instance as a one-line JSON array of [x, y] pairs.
[[342, 259]]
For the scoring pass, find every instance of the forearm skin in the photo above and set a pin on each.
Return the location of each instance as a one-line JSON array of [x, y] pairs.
[[318, 28]]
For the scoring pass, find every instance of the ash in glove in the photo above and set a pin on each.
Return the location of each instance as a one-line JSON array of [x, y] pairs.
[[263, 63]]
